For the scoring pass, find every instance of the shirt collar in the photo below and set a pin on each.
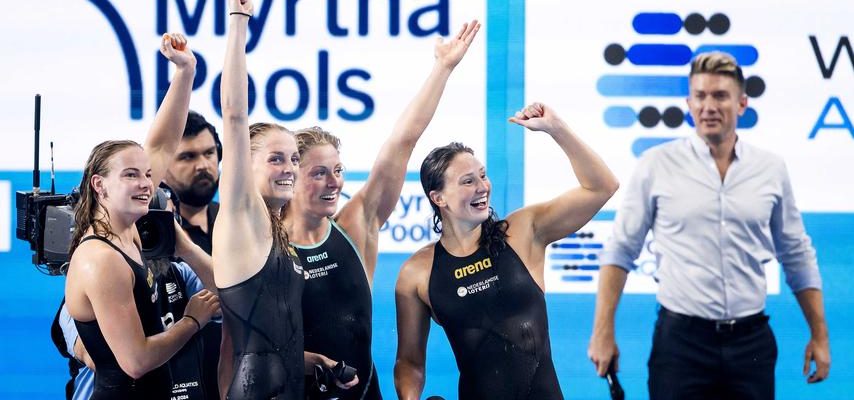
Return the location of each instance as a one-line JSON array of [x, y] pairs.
[[701, 148]]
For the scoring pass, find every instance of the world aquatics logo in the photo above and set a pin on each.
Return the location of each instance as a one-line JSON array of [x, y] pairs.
[[632, 89]]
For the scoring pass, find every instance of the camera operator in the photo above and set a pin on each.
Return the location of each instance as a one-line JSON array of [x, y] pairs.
[[194, 176]]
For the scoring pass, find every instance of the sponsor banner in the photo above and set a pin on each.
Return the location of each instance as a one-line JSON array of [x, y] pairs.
[[618, 76], [410, 226], [621, 83], [350, 67], [572, 263]]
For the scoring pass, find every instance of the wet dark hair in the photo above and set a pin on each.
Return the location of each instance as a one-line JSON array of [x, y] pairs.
[[196, 123], [493, 231]]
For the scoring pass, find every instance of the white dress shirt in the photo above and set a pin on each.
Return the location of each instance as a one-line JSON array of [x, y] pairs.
[[713, 238]]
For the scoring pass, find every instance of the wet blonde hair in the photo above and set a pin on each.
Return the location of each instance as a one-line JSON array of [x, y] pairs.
[[315, 136], [257, 132]]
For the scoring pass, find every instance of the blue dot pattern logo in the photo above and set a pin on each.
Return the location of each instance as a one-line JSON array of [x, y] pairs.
[[576, 256], [623, 87]]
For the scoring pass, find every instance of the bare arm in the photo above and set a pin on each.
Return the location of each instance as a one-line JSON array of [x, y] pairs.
[[818, 347], [603, 347], [168, 126], [108, 284], [235, 190], [568, 212], [196, 258], [413, 327], [381, 192]]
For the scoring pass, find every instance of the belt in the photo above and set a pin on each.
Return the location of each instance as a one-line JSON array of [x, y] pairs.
[[719, 326]]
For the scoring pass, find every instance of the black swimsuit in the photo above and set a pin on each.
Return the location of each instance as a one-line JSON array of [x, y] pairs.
[[194, 366], [494, 315], [337, 308], [264, 316], [111, 382]]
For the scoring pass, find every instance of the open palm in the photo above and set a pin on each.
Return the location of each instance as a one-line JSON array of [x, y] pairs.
[[451, 52]]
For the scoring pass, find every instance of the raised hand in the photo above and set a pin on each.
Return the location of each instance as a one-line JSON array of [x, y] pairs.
[[451, 52], [538, 117], [241, 6], [173, 46]]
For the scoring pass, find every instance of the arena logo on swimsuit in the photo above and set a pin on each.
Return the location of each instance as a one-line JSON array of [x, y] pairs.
[[674, 87], [472, 269], [316, 258], [430, 19]]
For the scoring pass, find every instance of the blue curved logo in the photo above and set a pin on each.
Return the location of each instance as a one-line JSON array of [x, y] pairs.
[[129, 51]]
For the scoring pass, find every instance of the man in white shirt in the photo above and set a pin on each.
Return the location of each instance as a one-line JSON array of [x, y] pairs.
[[720, 209]]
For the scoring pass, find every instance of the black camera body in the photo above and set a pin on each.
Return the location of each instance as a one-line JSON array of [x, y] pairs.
[[157, 228], [46, 222]]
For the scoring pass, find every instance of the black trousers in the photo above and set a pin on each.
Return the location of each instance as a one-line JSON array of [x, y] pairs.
[[694, 358]]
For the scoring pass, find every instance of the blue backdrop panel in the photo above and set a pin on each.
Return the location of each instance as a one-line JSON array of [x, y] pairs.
[[34, 370]]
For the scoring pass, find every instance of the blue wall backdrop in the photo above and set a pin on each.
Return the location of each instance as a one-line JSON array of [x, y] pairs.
[[34, 370], [560, 52]]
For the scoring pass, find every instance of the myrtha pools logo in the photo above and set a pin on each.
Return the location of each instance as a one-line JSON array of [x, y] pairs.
[[329, 86], [632, 85]]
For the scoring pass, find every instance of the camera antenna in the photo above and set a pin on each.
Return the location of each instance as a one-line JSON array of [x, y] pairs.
[[37, 127], [52, 172]]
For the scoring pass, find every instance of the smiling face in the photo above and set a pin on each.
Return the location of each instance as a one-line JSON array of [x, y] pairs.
[[125, 189], [320, 181], [715, 101], [275, 162], [464, 195]]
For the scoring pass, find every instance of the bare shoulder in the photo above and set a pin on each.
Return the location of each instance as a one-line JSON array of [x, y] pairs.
[[415, 271], [522, 217], [355, 206], [95, 261], [520, 227], [97, 274], [237, 226], [356, 221], [422, 259], [352, 220]]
